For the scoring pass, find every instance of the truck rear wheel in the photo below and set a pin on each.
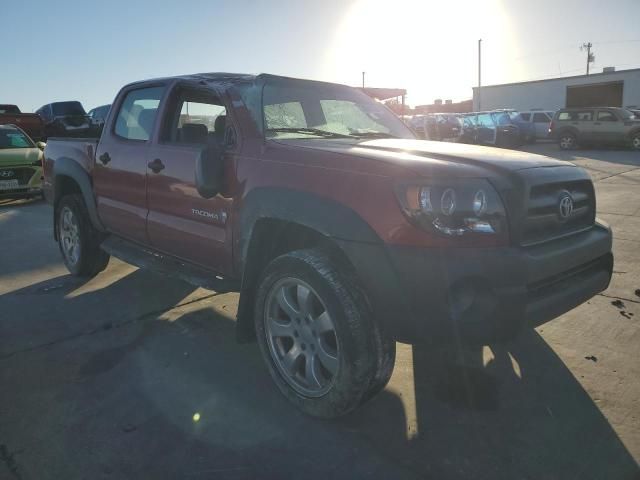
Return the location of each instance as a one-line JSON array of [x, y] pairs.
[[324, 351], [79, 242]]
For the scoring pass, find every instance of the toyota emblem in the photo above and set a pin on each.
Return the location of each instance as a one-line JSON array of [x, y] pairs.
[[6, 173], [565, 206]]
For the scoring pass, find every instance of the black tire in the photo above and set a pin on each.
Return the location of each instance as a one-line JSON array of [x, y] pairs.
[[90, 259], [365, 354], [567, 141], [635, 141]]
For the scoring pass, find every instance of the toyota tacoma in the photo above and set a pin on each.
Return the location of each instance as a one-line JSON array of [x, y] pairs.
[[342, 232]]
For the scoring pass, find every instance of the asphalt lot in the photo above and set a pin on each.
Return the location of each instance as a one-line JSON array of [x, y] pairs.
[[103, 379]]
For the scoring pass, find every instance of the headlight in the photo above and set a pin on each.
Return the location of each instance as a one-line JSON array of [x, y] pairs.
[[454, 208]]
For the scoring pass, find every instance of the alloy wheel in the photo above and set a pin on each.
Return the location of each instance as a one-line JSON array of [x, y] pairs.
[[69, 235], [635, 143], [301, 336], [567, 142]]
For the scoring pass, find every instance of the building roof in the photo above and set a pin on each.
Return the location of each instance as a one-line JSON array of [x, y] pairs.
[[572, 77]]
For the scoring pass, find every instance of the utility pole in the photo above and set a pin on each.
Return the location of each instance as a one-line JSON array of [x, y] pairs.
[[363, 79], [479, 72], [590, 56]]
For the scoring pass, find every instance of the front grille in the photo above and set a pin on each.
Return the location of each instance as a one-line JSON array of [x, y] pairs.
[[22, 174], [543, 220]]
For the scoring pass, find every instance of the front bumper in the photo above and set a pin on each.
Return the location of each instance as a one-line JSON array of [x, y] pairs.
[[29, 181], [479, 295]]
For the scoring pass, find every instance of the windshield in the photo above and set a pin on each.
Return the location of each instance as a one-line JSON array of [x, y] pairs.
[[299, 109], [14, 138], [67, 108], [627, 115]]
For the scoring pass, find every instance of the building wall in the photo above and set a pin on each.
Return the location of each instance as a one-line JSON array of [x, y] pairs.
[[551, 94]]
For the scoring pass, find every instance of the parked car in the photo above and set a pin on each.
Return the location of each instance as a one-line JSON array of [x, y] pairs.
[[65, 119], [442, 126], [30, 123], [417, 124], [540, 120], [341, 231], [20, 163], [572, 127], [497, 129], [97, 117], [469, 132], [526, 130]]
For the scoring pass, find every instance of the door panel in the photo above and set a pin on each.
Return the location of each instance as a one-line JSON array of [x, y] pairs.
[[120, 175], [120, 188], [180, 222], [607, 127]]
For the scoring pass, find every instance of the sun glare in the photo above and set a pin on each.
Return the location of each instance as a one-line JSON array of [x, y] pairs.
[[429, 48]]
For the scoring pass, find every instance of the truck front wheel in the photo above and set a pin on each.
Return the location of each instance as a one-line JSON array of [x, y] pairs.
[[79, 242], [315, 330]]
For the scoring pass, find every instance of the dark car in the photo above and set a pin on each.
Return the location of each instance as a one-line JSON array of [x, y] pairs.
[[442, 126], [526, 129], [342, 232], [469, 129], [497, 129], [65, 119]]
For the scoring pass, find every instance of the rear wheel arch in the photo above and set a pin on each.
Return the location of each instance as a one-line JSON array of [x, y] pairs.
[[70, 178]]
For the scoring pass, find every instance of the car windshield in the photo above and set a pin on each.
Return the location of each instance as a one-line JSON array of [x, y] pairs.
[[13, 138], [300, 109], [627, 115], [67, 108]]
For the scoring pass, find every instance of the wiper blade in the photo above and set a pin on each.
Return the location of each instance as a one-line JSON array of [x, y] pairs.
[[309, 131], [373, 135]]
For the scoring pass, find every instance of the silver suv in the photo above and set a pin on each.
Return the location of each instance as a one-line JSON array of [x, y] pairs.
[[571, 127]]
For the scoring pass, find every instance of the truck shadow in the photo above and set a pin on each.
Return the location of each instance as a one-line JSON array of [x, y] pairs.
[[159, 393]]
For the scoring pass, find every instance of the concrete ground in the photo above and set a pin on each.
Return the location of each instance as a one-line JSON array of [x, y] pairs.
[[132, 376]]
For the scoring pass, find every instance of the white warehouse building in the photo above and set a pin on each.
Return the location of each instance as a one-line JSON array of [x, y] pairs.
[[610, 88]]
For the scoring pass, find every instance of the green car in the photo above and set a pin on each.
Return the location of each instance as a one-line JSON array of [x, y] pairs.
[[20, 164]]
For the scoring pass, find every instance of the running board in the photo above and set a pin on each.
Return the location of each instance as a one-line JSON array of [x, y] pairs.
[[144, 257]]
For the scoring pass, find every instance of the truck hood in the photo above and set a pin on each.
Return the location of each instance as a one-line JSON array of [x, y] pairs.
[[428, 158], [11, 157]]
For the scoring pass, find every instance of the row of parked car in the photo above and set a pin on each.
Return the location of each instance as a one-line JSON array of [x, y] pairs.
[[58, 119], [22, 137], [569, 127]]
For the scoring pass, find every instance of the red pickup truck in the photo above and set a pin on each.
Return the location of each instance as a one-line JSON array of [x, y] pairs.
[[341, 231], [30, 123]]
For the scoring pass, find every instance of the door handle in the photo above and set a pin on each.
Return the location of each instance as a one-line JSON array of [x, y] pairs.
[[104, 158], [156, 166]]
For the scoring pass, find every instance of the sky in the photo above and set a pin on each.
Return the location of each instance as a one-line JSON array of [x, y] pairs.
[[84, 50]]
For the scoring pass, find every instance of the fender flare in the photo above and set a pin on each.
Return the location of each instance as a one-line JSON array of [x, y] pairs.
[[67, 167], [574, 131], [323, 215]]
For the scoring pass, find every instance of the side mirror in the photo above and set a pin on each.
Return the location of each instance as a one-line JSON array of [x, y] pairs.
[[210, 171], [41, 145]]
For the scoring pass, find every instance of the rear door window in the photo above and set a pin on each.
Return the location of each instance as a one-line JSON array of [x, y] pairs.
[[525, 116], [606, 116], [540, 118], [138, 112]]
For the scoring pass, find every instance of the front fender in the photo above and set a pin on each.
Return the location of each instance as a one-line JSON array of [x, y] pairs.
[[326, 216]]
